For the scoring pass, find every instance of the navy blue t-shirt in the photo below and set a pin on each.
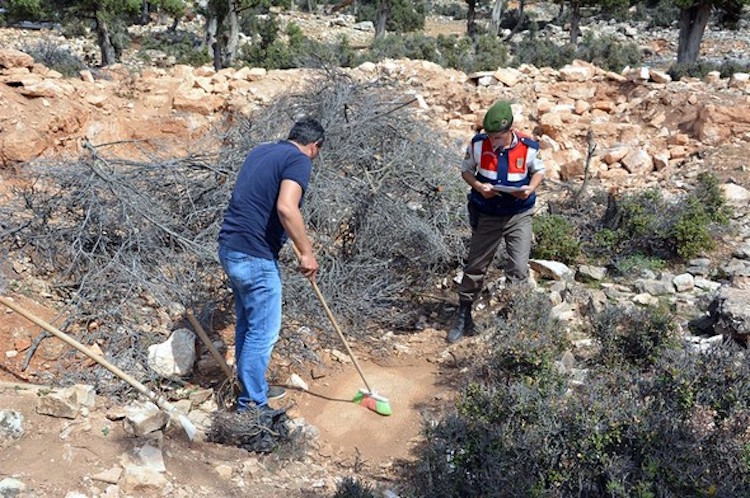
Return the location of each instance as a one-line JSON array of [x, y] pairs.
[[251, 222]]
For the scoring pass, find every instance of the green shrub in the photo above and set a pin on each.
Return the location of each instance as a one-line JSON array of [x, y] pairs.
[[728, 14], [662, 14], [456, 52], [272, 52], [689, 235], [53, 56], [542, 52], [705, 207], [691, 69], [608, 53], [490, 53], [405, 16], [526, 340], [729, 67], [186, 48], [26, 10], [708, 193], [632, 336], [397, 46], [639, 215], [649, 228], [555, 239], [457, 11], [678, 429]]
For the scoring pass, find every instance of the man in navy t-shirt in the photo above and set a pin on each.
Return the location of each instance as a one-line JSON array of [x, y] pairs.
[[264, 211]]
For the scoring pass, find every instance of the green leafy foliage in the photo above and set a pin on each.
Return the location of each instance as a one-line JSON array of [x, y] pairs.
[[542, 52], [183, 46], [527, 341], [27, 10], [656, 420], [632, 336], [456, 10], [174, 8], [661, 13], [555, 239], [405, 16], [649, 226], [690, 69], [608, 53], [490, 53], [412, 46]]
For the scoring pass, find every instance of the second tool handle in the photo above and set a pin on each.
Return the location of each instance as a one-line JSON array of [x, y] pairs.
[[334, 323]]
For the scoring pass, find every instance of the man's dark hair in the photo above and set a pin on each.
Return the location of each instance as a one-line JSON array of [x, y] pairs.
[[306, 131]]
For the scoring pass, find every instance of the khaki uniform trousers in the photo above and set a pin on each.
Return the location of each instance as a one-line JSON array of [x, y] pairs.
[[490, 230]]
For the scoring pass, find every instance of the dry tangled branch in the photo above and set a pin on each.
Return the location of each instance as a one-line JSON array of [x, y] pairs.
[[129, 244], [252, 430]]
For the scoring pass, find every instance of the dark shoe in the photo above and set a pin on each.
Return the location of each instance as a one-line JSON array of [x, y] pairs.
[[275, 392], [463, 325]]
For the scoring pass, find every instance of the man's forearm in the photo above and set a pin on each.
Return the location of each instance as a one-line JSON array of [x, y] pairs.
[[536, 180], [294, 225], [469, 178]]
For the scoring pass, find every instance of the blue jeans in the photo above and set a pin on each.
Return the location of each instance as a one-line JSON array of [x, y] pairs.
[[256, 284]]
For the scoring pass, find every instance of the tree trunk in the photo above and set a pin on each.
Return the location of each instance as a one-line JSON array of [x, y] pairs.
[[519, 23], [144, 12], [209, 38], [471, 26], [231, 34], [104, 38], [497, 11], [575, 21], [560, 12], [692, 25], [381, 17]]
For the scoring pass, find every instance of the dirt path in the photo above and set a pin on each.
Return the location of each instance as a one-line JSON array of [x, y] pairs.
[[352, 430]]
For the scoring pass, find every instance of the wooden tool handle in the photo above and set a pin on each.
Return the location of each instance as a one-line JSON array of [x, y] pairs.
[[204, 337], [157, 399], [334, 323]]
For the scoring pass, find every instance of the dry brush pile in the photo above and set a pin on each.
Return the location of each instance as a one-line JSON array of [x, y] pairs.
[[129, 244]]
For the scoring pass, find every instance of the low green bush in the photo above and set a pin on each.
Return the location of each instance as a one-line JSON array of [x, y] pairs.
[[26, 10], [608, 53], [649, 226], [542, 52], [490, 53], [674, 426], [632, 336], [691, 69], [555, 239], [729, 67], [661, 14], [526, 340], [456, 11], [405, 16], [185, 47]]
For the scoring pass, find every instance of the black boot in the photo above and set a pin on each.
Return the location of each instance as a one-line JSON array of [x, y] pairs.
[[464, 324]]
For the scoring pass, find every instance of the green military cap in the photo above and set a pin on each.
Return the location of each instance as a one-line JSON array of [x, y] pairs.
[[499, 117]]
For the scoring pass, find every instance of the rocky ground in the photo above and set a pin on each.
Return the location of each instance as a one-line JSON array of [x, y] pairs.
[[649, 131]]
